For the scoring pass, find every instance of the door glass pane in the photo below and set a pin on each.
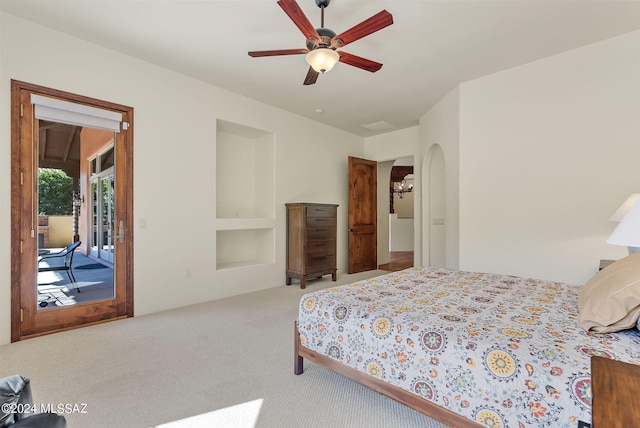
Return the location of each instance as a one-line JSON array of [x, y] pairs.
[[76, 215], [107, 159], [95, 218], [108, 217]]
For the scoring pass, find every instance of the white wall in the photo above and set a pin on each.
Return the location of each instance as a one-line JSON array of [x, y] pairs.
[[548, 151], [403, 206], [437, 207], [384, 236], [5, 197], [174, 164], [400, 233]]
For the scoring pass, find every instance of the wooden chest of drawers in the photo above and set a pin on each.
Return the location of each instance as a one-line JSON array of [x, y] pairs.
[[311, 241], [615, 386]]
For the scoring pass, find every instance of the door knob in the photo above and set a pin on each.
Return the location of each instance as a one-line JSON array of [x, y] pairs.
[[120, 235]]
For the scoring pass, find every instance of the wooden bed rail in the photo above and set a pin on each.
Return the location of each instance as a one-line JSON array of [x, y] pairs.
[[413, 401]]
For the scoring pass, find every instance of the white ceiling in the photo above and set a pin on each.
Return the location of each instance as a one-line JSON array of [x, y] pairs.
[[431, 48]]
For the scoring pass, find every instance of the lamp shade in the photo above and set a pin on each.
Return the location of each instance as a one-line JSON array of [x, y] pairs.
[[628, 231], [626, 205], [322, 59]]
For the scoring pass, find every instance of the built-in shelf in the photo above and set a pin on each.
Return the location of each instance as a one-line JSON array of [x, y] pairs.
[[241, 264], [244, 223], [245, 196], [242, 248]]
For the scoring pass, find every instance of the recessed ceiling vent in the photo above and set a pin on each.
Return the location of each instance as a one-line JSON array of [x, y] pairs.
[[378, 126]]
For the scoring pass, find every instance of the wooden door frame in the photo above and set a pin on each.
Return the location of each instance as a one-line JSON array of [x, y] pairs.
[[19, 267]]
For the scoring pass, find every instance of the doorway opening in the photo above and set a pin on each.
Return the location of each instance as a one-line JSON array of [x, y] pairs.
[[400, 214], [72, 184], [69, 270]]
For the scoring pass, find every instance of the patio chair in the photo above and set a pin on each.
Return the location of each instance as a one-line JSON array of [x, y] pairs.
[[67, 254]]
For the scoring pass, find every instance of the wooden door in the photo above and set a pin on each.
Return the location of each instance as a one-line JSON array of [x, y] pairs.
[[27, 318], [363, 209]]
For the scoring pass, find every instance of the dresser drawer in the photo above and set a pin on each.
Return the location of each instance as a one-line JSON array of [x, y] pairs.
[[321, 221], [321, 211], [319, 263], [321, 234], [321, 248]]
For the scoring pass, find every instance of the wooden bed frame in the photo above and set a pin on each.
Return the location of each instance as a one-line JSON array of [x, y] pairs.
[[421, 405]]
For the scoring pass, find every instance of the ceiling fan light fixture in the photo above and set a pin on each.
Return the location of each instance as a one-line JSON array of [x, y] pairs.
[[322, 59]]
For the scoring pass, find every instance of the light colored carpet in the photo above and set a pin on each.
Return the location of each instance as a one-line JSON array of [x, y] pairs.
[[226, 363]]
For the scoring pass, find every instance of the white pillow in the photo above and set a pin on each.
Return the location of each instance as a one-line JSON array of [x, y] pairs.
[[610, 301]]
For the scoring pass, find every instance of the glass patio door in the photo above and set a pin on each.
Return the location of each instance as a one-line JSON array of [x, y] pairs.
[[102, 183], [85, 147]]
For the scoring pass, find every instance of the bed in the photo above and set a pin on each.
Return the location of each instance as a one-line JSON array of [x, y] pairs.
[[468, 349]]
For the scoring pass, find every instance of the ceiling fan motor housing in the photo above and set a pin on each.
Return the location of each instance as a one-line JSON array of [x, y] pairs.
[[325, 39]]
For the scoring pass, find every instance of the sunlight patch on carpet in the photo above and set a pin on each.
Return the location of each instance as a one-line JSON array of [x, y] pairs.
[[242, 415]]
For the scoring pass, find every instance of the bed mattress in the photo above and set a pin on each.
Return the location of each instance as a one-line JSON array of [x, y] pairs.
[[500, 350]]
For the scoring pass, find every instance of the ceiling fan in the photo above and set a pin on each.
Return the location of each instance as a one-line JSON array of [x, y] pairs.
[[322, 43]]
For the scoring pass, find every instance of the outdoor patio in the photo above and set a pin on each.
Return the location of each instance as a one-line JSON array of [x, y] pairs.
[[94, 281]]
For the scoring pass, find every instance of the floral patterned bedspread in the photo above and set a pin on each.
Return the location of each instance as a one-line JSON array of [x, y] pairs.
[[501, 350]]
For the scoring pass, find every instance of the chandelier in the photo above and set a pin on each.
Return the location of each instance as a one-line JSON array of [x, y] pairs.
[[401, 187]]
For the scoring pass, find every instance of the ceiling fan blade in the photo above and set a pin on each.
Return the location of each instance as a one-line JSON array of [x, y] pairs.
[[278, 52], [298, 17], [376, 22], [356, 61], [312, 76]]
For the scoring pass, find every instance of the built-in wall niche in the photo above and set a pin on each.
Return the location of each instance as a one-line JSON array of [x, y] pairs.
[[245, 196], [244, 172], [244, 247]]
